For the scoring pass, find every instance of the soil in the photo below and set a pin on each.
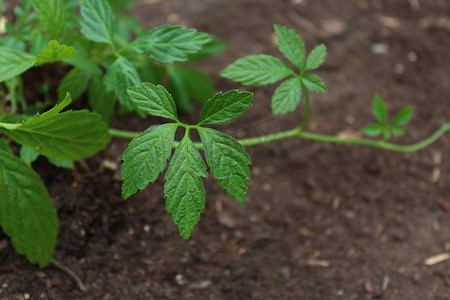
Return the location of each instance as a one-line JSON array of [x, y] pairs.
[[320, 221]]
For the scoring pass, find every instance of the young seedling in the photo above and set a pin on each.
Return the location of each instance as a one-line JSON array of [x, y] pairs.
[[384, 126], [26, 212]]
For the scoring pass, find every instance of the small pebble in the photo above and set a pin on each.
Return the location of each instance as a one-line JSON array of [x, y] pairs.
[[399, 68], [412, 56], [380, 48]]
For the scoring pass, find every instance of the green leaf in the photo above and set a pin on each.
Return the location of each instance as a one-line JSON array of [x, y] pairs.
[[97, 22], [54, 52], [214, 47], [198, 85], [169, 43], [70, 135], [28, 154], [176, 86], [403, 116], [75, 83], [52, 14], [119, 77], [226, 107], [287, 96], [386, 133], [26, 212], [397, 130], [228, 162], [146, 157], [379, 110], [153, 100], [313, 83], [184, 187], [291, 45], [316, 57], [4, 146], [373, 129], [14, 62], [257, 70], [100, 100], [66, 164]]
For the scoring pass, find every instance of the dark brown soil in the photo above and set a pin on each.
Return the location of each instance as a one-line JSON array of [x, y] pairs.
[[321, 221]]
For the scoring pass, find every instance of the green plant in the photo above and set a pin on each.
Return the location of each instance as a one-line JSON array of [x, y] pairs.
[[26, 212]]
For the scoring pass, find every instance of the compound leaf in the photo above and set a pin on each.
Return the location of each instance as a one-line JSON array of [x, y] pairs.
[[52, 14], [97, 22], [54, 52], [314, 83], [291, 45], [70, 135], [146, 157], [379, 109], [316, 57], [287, 96], [153, 100], [223, 108], [75, 83], [26, 212], [257, 70], [119, 77], [228, 162], [14, 62], [169, 43], [184, 187], [403, 116]]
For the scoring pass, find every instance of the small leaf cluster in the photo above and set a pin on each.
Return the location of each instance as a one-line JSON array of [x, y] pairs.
[[383, 126], [113, 52], [262, 69], [147, 154]]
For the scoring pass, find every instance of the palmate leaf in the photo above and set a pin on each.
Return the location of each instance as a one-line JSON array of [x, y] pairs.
[[257, 70], [169, 43], [287, 96], [146, 157], [373, 129], [52, 14], [228, 161], [26, 212], [153, 100], [223, 108], [291, 45], [70, 135], [54, 52], [97, 22], [184, 187], [119, 77], [14, 62]]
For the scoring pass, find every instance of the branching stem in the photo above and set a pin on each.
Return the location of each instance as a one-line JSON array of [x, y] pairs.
[[297, 132]]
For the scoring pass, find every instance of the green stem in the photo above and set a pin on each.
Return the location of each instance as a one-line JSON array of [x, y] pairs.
[[296, 132], [306, 115]]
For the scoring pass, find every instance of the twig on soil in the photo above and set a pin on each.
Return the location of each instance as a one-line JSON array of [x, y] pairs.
[[72, 274], [435, 259]]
